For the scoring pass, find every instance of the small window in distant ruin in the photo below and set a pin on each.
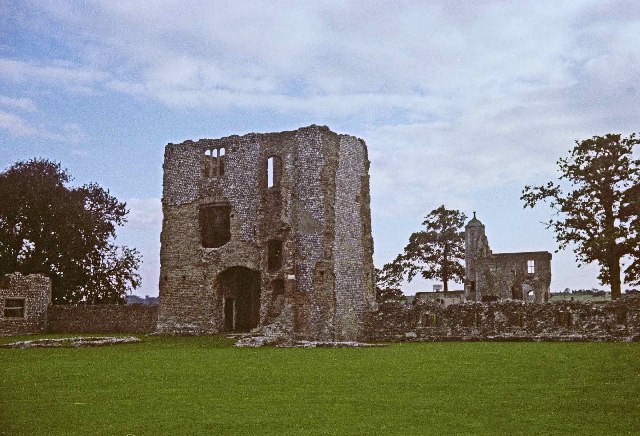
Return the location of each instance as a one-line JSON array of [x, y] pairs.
[[274, 260], [274, 172], [214, 162], [531, 266], [14, 307], [215, 223], [277, 287]]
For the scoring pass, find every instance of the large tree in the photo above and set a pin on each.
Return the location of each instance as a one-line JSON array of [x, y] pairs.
[[630, 210], [435, 252], [594, 212], [64, 232]]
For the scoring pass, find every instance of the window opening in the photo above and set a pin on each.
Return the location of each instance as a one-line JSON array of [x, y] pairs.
[[274, 258], [241, 298], [214, 162], [14, 308], [531, 266], [221, 162], [269, 172], [274, 172], [215, 225]]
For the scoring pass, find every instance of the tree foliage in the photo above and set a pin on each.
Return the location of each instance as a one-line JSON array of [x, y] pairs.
[[64, 232], [388, 291], [597, 214], [436, 252]]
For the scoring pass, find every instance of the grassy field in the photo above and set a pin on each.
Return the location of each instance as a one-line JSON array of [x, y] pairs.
[[203, 385]]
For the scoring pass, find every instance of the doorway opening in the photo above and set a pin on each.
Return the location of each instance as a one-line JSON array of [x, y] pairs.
[[240, 288]]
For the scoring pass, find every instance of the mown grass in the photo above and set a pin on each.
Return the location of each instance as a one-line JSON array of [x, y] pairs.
[[203, 385]]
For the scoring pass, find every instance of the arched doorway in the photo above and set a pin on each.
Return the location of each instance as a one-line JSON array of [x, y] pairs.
[[528, 292], [240, 289]]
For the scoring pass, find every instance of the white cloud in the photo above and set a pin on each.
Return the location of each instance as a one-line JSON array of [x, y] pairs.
[[411, 62], [65, 74], [17, 126], [25, 104], [145, 213]]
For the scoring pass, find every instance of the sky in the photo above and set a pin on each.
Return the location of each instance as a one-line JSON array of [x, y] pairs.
[[461, 103]]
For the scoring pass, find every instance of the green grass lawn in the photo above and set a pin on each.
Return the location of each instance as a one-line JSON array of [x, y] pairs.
[[203, 385]]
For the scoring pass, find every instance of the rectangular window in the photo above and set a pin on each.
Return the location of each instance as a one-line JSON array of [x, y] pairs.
[[215, 225], [14, 307], [269, 172], [531, 266], [274, 172]]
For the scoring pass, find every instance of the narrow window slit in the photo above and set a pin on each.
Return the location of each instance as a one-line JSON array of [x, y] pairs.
[[270, 172]]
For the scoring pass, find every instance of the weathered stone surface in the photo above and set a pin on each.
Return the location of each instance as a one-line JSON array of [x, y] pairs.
[[315, 214], [102, 318], [513, 320], [34, 291]]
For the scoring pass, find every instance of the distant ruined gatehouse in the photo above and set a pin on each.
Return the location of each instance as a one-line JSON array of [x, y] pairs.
[[269, 231], [492, 276]]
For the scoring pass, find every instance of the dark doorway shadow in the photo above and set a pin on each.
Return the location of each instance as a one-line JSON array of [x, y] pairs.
[[240, 288]]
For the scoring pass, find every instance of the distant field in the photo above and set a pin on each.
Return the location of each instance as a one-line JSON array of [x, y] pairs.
[[560, 297], [203, 385]]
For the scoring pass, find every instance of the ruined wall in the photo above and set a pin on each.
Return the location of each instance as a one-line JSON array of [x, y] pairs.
[[511, 277], [23, 303], [317, 208], [353, 248], [104, 318], [488, 275], [618, 320]]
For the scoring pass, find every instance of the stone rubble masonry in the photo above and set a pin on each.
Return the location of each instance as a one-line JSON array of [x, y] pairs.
[[319, 209], [35, 289], [491, 275], [102, 318], [618, 320]]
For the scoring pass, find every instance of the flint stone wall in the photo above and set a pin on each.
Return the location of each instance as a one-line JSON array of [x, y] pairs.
[[35, 289], [319, 210], [102, 318], [617, 320]]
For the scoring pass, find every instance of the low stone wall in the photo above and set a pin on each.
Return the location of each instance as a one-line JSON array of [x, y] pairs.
[[507, 320], [131, 318]]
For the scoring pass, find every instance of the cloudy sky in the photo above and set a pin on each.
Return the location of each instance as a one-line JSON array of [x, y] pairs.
[[461, 103]]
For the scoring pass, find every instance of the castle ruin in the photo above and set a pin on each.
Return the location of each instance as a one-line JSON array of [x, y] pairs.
[[491, 276], [266, 230]]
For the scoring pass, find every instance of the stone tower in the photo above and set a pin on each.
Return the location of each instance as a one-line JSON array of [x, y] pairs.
[[476, 248], [267, 231]]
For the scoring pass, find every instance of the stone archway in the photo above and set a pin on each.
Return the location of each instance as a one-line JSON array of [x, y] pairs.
[[528, 292], [240, 289]]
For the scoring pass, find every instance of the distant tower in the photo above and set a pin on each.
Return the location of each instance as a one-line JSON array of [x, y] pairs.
[[476, 248]]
